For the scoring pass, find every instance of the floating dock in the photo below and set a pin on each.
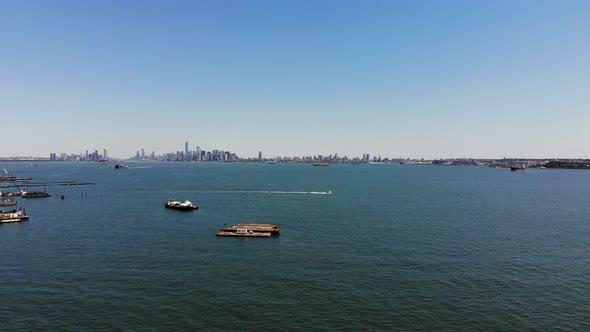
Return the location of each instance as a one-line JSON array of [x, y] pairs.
[[253, 230]]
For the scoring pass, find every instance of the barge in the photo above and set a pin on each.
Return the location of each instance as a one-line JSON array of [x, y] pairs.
[[256, 228], [243, 232], [250, 230]]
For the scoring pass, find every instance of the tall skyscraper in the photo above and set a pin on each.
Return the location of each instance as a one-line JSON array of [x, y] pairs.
[[259, 155], [186, 156], [104, 154]]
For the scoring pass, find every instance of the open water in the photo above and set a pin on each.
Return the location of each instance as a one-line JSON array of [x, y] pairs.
[[394, 248]]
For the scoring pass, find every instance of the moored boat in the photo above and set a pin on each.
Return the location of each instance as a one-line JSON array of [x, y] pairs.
[[35, 194], [7, 177], [7, 201], [14, 193], [183, 206], [13, 216]]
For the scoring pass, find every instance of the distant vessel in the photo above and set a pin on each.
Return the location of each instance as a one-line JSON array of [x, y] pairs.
[[517, 168], [321, 164], [121, 166], [14, 193], [250, 230], [184, 206], [4, 177], [243, 232], [7, 201], [13, 216], [7, 177], [35, 194], [329, 192]]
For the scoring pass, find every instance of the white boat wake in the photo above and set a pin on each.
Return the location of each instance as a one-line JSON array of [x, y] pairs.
[[329, 192]]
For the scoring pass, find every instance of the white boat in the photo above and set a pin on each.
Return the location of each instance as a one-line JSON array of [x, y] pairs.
[[329, 192], [178, 205], [13, 216]]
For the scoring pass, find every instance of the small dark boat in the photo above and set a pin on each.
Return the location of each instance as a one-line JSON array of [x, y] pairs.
[[517, 168], [183, 206], [321, 164], [121, 166]]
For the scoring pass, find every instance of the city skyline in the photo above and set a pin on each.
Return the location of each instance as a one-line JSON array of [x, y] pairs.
[[403, 78]]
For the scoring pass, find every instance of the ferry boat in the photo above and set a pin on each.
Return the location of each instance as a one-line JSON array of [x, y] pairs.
[[13, 216], [183, 206]]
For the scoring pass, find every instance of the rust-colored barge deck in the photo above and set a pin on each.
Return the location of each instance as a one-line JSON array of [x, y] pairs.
[[247, 234], [253, 230]]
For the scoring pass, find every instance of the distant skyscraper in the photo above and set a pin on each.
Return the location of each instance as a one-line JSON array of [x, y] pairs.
[[104, 154], [259, 155], [186, 156], [142, 153]]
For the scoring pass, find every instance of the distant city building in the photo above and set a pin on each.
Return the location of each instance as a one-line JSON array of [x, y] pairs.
[[259, 155]]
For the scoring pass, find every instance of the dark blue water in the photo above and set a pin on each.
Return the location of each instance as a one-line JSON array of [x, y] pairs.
[[395, 248]]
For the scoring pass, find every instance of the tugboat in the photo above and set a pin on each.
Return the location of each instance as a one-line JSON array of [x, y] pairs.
[[519, 168], [183, 206], [13, 216]]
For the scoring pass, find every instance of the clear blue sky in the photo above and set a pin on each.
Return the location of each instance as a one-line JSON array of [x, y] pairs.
[[409, 78]]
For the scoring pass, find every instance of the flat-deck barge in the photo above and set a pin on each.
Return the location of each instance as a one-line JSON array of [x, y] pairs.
[[244, 234], [250, 230], [260, 228]]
